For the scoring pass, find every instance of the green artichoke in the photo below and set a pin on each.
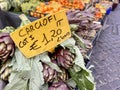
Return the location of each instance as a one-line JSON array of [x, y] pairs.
[[7, 46], [58, 86], [64, 58], [48, 73]]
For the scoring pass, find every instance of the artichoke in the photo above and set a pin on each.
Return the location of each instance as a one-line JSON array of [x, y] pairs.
[[63, 75], [7, 46], [2, 84], [48, 73], [6, 70], [64, 58], [58, 86]]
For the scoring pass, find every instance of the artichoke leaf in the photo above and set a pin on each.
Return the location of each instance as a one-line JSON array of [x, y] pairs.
[[46, 59], [79, 40], [83, 77], [27, 73], [17, 83], [36, 75], [68, 42], [44, 87], [79, 60]]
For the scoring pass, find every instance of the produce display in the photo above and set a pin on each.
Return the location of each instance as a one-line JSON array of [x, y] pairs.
[[57, 5], [38, 9], [101, 8], [61, 68], [86, 27], [54, 6], [16, 5], [64, 68]]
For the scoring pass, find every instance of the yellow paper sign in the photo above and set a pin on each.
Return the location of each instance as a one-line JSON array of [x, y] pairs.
[[42, 34]]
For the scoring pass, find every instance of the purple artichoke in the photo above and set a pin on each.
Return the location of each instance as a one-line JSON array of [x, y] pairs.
[[65, 58], [7, 47], [2, 84], [63, 75], [48, 73], [58, 86]]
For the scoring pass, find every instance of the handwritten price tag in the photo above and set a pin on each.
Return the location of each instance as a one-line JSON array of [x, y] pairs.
[[42, 34]]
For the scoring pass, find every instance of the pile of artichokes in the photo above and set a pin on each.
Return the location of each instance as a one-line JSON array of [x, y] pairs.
[[66, 58], [63, 58], [86, 27]]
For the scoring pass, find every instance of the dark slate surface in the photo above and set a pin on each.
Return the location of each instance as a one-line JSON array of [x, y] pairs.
[[106, 55]]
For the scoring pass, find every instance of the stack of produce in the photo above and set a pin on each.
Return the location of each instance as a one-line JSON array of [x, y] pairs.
[[7, 49], [101, 8], [63, 69], [86, 27], [55, 6], [19, 5], [30, 5], [39, 8], [43, 9], [72, 4], [86, 21]]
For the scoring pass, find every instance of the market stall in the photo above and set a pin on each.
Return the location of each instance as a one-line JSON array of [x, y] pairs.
[[47, 45]]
